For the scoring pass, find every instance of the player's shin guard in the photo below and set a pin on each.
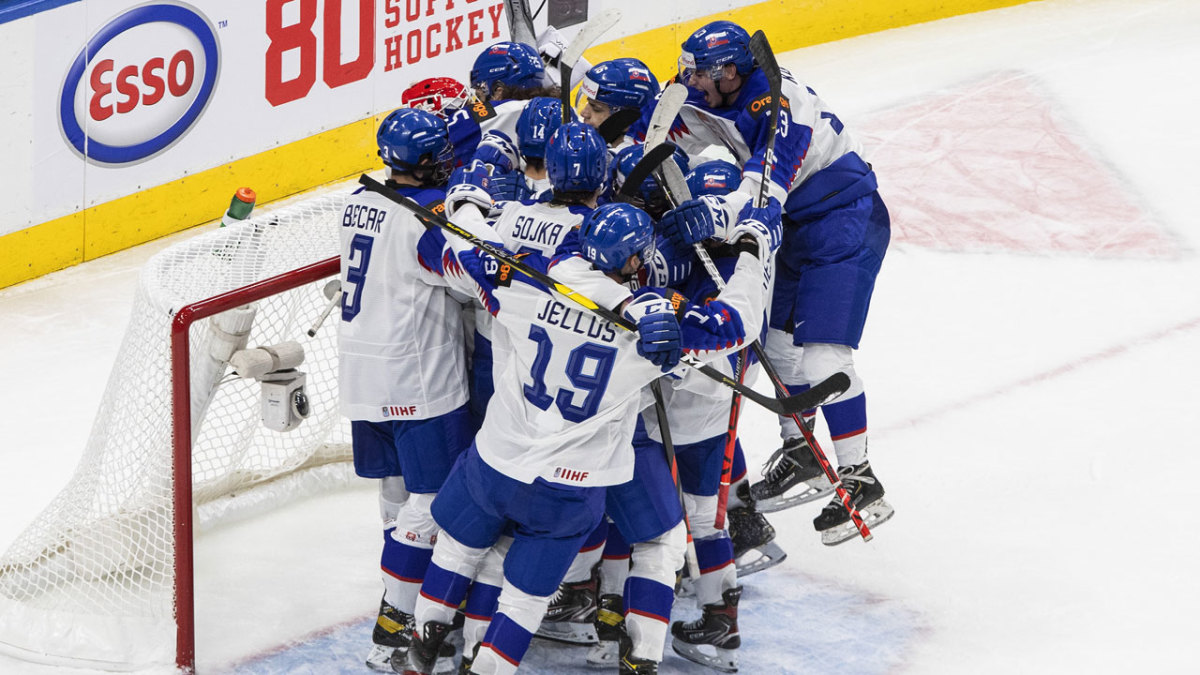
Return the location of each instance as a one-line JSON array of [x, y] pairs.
[[650, 591], [614, 566], [446, 580], [407, 551], [510, 632], [717, 571], [484, 596]]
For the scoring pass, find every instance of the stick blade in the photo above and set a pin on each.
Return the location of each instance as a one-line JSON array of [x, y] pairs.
[[592, 30], [520, 22], [650, 161], [831, 387], [670, 102]]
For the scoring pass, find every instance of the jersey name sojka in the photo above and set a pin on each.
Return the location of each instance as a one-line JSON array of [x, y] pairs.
[[400, 338]]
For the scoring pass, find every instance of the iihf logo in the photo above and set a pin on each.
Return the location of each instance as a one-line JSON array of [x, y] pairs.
[[563, 473]]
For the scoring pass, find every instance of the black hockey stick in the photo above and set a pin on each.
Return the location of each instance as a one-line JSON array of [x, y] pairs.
[[833, 386], [647, 165], [664, 430], [616, 124]]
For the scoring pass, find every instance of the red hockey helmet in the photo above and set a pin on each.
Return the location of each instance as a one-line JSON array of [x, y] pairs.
[[437, 95]]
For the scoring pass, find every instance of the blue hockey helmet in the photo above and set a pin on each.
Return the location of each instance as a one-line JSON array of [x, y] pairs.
[[714, 45], [577, 159], [717, 177], [620, 83], [613, 232], [513, 64], [415, 141], [650, 192], [541, 117]]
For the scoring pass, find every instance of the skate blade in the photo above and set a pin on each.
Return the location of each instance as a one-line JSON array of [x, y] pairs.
[[603, 654], [803, 493], [873, 515], [380, 659], [724, 660], [769, 555], [568, 632]]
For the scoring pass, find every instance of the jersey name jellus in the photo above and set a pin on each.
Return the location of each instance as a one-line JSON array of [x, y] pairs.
[[577, 321], [362, 217], [544, 232]]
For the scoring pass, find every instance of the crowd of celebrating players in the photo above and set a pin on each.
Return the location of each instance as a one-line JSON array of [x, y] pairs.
[[542, 384]]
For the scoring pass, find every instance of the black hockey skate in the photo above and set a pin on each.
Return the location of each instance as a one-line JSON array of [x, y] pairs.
[[610, 627], [392, 631], [571, 616], [629, 665], [866, 494], [712, 640], [423, 650], [754, 547], [792, 476]]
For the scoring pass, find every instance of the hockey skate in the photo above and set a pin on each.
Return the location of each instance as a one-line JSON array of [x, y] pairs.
[[712, 640], [793, 476], [866, 494], [630, 665], [571, 616], [610, 626], [754, 547], [423, 650], [392, 631]]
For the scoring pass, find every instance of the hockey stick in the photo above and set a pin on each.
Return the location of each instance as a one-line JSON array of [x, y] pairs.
[[520, 22], [617, 123], [650, 161], [782, 406], [664, 429], [670, 102], [761, 50], [591, 31]]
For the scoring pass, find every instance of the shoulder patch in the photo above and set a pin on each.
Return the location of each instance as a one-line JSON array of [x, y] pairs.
[[438, 206], [759, 106], [481, 110]]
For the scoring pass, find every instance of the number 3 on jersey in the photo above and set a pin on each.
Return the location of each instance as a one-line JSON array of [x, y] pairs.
[[588, 368], [356, 275]]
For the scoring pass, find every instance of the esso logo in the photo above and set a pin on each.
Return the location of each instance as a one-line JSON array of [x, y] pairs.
[[140, 83]]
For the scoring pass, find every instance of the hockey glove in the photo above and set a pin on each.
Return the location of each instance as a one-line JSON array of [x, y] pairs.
[[659, 338], [668, 266], [693, 221], [497, 150], [470, 184], [510, 186], [764, 226]]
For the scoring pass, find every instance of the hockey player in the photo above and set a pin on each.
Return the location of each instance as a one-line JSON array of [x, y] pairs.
[[402, 376], [614, 94], [539, 120], [559, 427], [835, 236], [504, 77]]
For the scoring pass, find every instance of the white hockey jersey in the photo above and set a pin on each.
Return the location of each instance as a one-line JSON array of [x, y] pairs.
[[400, 338], [567, 399]]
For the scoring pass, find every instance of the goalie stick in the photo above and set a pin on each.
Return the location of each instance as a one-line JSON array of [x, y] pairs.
[[828, 388], [520, 22], [591, 31]]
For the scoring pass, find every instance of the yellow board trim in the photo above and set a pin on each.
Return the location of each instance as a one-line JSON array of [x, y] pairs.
[[348, 150]]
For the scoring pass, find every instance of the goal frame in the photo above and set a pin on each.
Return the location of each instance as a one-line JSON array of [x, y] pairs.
[[181, 434]]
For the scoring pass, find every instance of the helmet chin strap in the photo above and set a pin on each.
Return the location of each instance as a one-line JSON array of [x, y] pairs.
[[727, 97]]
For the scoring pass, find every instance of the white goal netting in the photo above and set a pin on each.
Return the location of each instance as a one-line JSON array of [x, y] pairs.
[[91, 579]]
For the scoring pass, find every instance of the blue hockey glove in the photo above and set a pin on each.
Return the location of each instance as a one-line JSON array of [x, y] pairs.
[[692, 221], [470, 184], [510, 186], [668, 266], [659, 338], [497, 150]]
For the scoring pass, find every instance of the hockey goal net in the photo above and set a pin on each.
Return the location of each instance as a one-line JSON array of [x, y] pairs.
[[103, 577]]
